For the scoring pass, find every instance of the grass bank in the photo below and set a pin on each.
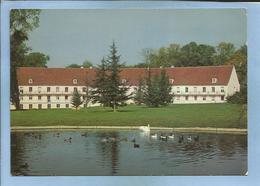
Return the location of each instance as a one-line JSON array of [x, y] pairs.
[[195, 115]]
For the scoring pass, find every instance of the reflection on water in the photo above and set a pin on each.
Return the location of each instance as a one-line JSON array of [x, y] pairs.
[[107, 152]]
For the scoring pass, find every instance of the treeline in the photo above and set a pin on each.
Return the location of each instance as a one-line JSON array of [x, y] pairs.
[[191, 54], [194, 54]]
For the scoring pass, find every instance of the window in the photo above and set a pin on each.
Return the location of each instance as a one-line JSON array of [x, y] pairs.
[[66, 97], [66, 89], [30, 89], [30, 97], [21, 106], [195, 89], [57, 89], [49, 98], [39, 97], [39, 89], [75, 89], [39, 106], [204, 89], [204, 98], [186, 98], [171, 81], [186, 89], [67, 105], [222, 89], [214, 80], [49, 106], [178, 89], [21, 90], [58, 105], [48, 89], [178, 98], [57, 97], [75, 81], [30, 81], [30, 106], [195, 98], [213, 89], [213, 98], [123, 81], [21, 98], [222, 98], [84, 89]]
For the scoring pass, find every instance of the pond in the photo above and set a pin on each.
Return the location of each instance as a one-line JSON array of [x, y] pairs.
[[126, 152]]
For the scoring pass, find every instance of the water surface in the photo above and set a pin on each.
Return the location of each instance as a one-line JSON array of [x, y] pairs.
[[87, 153]]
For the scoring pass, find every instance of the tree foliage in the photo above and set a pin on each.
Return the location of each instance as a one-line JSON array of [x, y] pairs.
[[76, 100], [99, 93], [22, 22], [36, 59], [139, 92], [85, 64], [191, 54], [239, 60], [117, 91], [158, 90], [108, 88]]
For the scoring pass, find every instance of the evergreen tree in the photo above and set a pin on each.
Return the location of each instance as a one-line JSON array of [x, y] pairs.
[[99, 93], [165, 89], [139, 93], [152, 93], [158, 90], [115, 89], [76, 101]]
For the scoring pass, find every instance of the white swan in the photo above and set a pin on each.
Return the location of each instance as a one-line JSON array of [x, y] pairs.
[[154, 136], [145, 128]]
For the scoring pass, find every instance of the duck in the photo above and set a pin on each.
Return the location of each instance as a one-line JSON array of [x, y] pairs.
[[68, 140], [136, 145], [133, 140], [84, 134], [181, 139], [189, 138], [171, 136], [196, 138], [154, 136], [104, 140], [145, 128], [163, 137]]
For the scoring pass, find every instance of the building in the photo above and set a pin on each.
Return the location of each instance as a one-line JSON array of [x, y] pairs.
[[45, 88]]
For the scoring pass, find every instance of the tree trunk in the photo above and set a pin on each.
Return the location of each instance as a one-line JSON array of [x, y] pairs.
[[114, 106], [15, 98]]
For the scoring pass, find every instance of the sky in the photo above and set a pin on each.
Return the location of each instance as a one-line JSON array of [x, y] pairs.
[[73, 36]]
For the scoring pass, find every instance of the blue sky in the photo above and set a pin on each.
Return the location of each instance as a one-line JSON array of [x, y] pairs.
[[72, 36]]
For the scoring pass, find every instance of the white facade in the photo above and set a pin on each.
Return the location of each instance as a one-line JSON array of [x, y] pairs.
[[48, 97]]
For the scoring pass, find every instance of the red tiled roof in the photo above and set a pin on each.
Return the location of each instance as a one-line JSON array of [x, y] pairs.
[[181, 75]]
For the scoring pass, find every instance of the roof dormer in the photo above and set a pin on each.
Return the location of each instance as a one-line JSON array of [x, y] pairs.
[[214, 80], [75, 81], [30, 81]]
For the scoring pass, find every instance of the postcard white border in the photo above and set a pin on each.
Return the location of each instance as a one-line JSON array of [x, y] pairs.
[[253, 10]]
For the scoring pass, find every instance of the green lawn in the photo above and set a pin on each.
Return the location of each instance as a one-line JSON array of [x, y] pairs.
[[193, 115]]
